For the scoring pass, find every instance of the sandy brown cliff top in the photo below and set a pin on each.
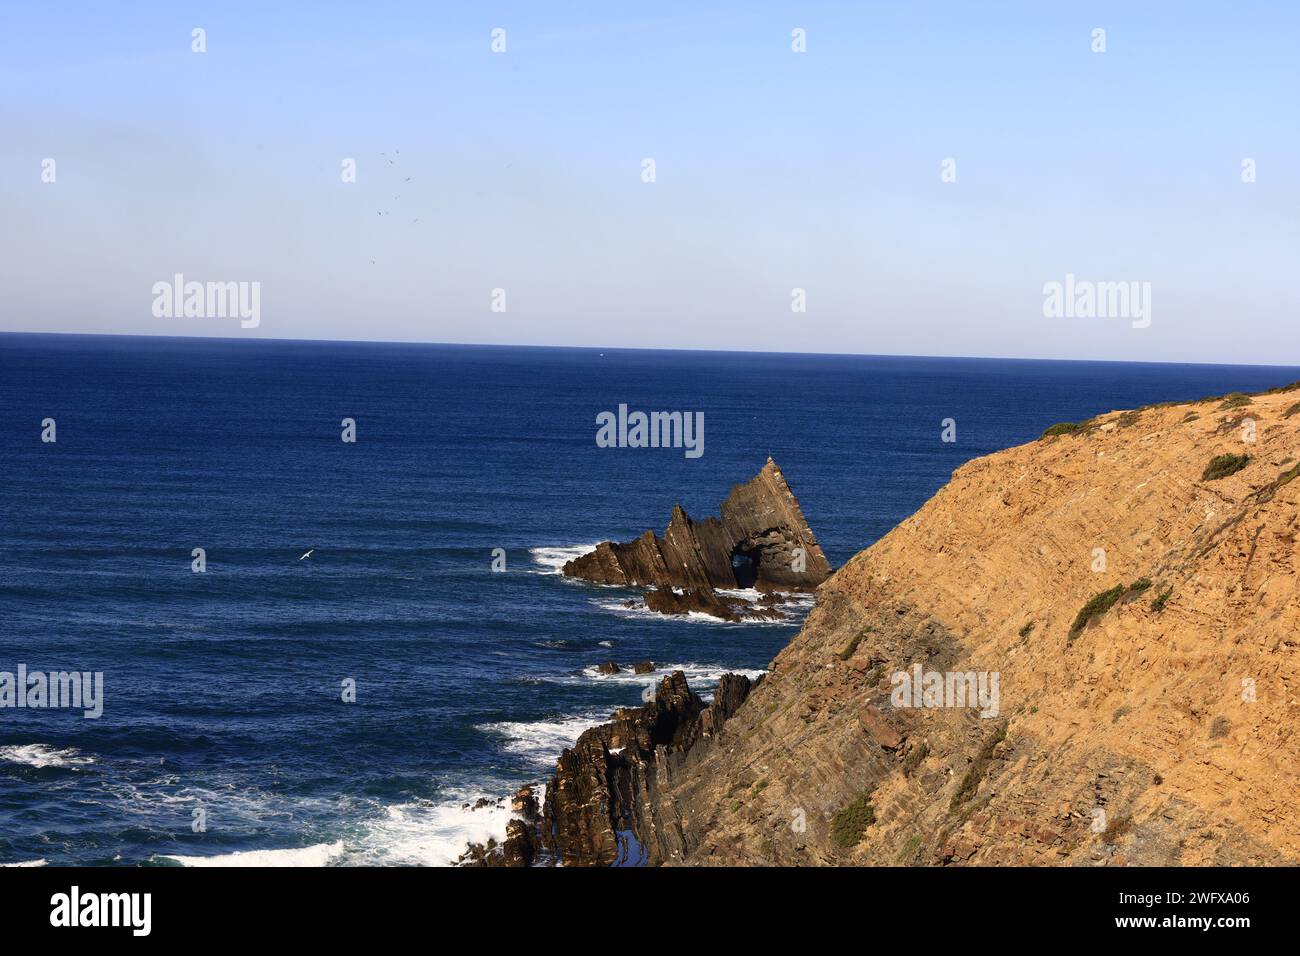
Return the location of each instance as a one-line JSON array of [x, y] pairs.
[[1163, 729]]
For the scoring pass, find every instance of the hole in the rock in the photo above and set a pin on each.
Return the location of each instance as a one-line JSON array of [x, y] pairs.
[[744, 565]]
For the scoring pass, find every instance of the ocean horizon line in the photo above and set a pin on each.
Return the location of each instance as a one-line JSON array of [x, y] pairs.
[[266, 340]]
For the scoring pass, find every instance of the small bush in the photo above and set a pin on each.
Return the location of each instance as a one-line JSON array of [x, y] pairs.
[[848, 651], [1221, 466], [1140, 585], [849, 825], [1158, 604], [975, 774], [1191, 417], [1292, 410], [1027, 629], [1097, 605], [1065, 428], [1116, 828], [1128, 418], [1219, 727], [1289, 475], [1120, 712], [909, 848], [913, 759], [1235, 400]]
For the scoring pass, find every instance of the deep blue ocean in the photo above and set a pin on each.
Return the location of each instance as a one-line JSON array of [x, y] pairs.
[[223, 689]]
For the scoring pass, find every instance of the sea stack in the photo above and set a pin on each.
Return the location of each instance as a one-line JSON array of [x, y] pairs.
[[761, 540]]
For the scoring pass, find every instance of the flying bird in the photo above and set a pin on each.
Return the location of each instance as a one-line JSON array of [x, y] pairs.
[[307, 555]]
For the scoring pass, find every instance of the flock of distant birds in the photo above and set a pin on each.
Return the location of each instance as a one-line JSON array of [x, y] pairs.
[[391, 160]]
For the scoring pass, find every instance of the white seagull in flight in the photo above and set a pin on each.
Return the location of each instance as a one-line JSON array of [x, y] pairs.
[[307, 555]]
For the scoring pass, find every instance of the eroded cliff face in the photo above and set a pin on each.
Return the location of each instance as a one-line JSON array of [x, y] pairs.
[[1162, 729]]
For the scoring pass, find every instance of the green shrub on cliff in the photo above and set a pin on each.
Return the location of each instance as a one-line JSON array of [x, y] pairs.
[[1128, 418], [1158, 604], [1097, 605], [852, 646], [849, 825], [979, 766], [1235, 400], [913, 759], [1066, 428], [1221, 466]]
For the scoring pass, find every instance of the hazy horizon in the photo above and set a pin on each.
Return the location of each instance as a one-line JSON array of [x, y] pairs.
[[919, 173]]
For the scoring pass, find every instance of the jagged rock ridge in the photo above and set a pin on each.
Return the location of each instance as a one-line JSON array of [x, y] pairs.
[[603, 804], [761, 540]]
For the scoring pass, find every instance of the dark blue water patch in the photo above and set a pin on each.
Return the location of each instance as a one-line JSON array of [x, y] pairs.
[[224, 690]]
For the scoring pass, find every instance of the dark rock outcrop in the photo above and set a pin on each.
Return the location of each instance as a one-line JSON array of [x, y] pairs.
[[761, 540], [761, 527], [700, 600], [603, 804], [519, 848]]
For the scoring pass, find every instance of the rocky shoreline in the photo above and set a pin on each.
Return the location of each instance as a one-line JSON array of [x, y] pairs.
[[605, 804]]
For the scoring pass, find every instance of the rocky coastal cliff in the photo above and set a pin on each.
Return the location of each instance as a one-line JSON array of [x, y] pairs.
[[1131, 581], [604, 804]]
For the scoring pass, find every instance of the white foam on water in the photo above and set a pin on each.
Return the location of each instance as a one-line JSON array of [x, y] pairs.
[[418, 833], [318, 855], [426, 833], [553, 560], [542, 740], [694, 617], [41, 755], [696, 674], [24, 863]]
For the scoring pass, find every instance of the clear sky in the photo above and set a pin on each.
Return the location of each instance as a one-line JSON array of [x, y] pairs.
[[775, 170]]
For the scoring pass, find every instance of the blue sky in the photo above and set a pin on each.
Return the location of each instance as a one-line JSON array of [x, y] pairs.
[[775, 170]]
